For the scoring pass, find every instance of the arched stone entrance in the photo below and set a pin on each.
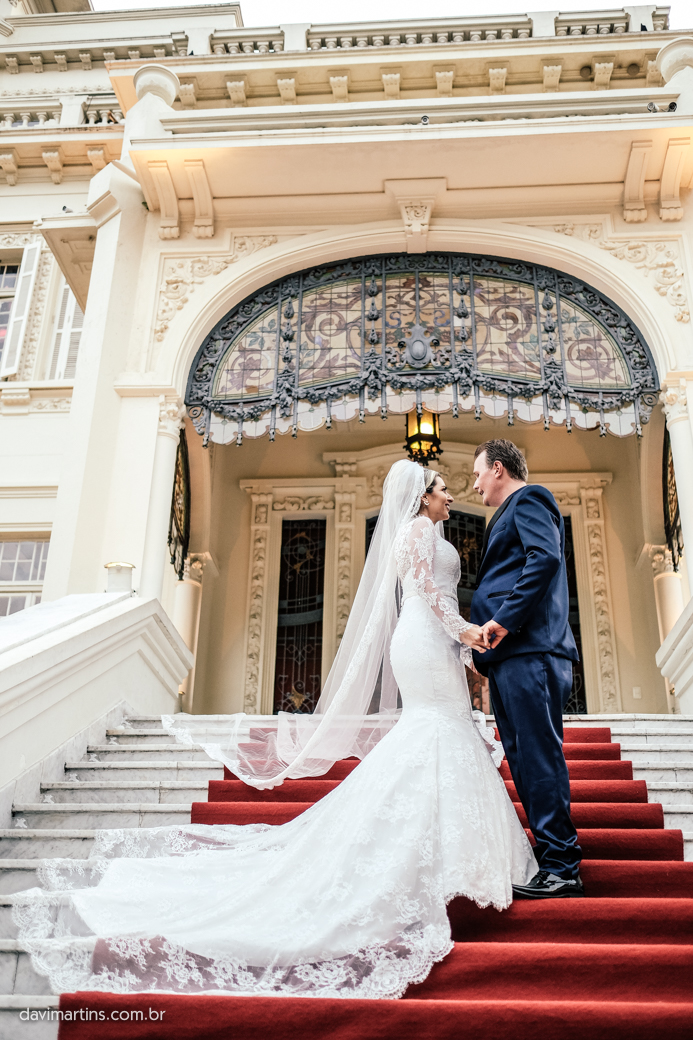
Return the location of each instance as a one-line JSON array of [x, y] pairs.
[[498, 342]]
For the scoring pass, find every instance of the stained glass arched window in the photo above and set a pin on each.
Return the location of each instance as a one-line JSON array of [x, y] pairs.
[[446, 331]]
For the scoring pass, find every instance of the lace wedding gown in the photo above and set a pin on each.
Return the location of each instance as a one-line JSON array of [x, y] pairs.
[[348, 899]]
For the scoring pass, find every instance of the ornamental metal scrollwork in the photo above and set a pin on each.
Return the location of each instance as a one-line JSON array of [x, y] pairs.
[[468, 332], [179, 523], [672, 517]]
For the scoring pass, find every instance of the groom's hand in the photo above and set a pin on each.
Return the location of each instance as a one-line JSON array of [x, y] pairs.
[[492, 634]]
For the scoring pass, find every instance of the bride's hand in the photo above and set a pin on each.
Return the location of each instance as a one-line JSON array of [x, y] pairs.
[[473, 636]]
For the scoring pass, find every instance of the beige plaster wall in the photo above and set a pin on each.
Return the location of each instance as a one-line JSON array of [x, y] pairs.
[[220, 668]]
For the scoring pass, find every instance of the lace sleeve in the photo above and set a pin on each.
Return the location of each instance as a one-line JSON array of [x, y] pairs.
[[421, 550]]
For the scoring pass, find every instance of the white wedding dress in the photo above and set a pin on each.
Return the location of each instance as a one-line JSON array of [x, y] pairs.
[[348, 899]]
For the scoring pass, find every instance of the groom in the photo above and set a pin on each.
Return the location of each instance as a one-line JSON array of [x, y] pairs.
[[522, 586]]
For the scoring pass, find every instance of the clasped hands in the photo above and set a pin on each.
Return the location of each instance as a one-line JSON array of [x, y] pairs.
[[484, 637]]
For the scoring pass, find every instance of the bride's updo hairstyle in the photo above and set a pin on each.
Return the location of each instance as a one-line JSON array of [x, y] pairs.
[[430, 477]]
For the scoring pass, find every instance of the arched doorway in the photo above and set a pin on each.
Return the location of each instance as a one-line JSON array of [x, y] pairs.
[[470, 337]]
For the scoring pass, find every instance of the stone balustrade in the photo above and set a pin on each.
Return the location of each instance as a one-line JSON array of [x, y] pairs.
[[248, 41], [102, 113], [413, 34]]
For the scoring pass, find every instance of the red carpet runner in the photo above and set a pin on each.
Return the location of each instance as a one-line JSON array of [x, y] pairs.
[[616, 964]]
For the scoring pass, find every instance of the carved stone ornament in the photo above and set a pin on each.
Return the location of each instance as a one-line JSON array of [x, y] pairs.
[[37, 314], [675, 403], [299, 504], [259, 540], [662, 261], [661, 560], [182, 274], [658, 260], [171, 413], [610, 700]]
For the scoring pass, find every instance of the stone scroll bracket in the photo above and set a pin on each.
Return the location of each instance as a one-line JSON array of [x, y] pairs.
[[634, 208], [416, 199]]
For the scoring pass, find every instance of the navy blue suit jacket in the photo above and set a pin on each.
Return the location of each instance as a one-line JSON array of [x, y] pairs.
[[522, 582]]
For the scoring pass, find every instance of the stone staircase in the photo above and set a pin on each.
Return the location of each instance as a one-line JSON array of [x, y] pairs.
[[138, 778]]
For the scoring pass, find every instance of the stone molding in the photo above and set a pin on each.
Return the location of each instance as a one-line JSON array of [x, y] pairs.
[[181, 275], [661, 258], [593, 518], [171, 416], [661, 559], [303, 249], [344, 573], [353, 494], [303, 503], [674, 400], [37, 315], [257, 601]]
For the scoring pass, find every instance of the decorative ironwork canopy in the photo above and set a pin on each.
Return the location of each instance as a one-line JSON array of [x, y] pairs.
[[443, 331]]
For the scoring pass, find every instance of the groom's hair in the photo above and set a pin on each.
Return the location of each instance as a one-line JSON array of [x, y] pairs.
[[508, 454]]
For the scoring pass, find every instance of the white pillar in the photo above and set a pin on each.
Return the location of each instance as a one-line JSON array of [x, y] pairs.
[[186, 617], [674, 399], [668, 590], [111, 337], [159, 513]]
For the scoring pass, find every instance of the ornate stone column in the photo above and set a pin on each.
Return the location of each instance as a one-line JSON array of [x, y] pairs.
[[668, 590], [171, 412], [186, 616], [345, 533], [675, 407], [593, 519], [257, 607]]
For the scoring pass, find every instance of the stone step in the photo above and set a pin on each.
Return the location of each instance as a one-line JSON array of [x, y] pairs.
[[155, 791], [670, 793], [39, 816], [663, 772], [656, 752], [628, 720], [144, 753], [24, 844], [688, 846], [678, 817], [138, 736], [8, 929], [646, 737], [18, 874], [44, 1027], [16, 972], [142, 722], [164, 770]]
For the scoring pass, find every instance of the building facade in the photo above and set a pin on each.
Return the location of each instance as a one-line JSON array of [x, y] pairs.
[[234, 260]]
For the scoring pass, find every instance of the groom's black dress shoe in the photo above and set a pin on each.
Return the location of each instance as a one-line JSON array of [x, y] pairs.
[[545, 885]]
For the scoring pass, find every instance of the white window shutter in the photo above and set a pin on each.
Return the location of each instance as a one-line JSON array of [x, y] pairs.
[[16, 329], [68, 333]]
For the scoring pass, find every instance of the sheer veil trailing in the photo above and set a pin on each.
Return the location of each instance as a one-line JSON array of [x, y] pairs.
[[358, 704]]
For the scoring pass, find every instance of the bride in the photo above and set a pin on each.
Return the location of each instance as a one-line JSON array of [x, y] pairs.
[[349, 898]]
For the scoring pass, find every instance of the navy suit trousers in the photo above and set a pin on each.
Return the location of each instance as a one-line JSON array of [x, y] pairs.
[[528, 693]]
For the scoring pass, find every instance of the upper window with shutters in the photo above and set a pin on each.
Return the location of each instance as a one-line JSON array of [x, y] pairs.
[[8, 287], [16, 291], [68, 332]]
